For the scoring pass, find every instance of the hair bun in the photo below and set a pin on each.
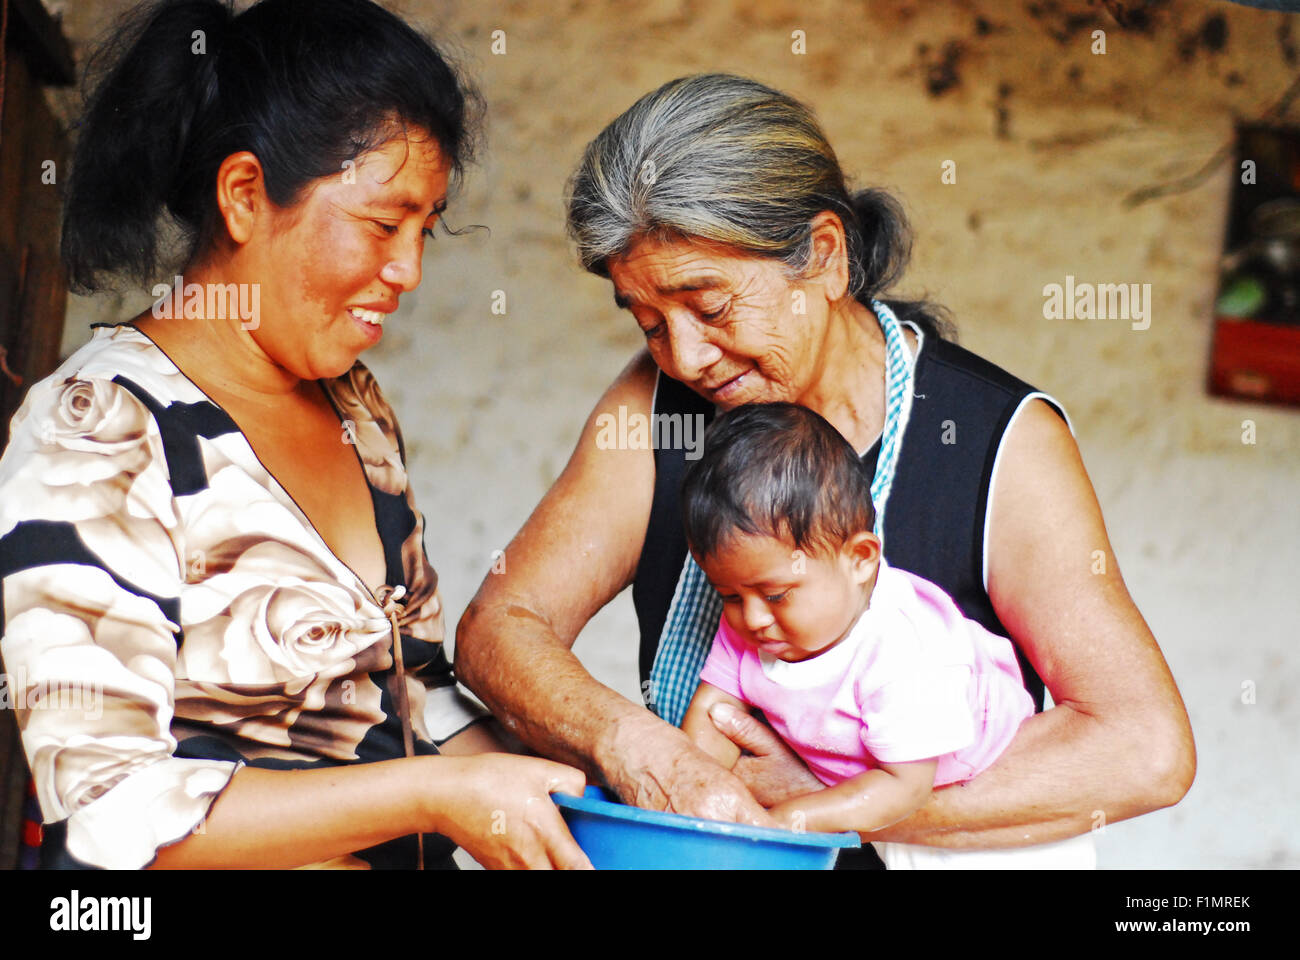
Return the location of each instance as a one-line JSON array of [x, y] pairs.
[[884, 240]]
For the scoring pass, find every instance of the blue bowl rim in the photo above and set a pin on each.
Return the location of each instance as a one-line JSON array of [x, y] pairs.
[[592, 802]]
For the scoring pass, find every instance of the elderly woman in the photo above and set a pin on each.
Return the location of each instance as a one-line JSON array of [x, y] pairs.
[[216, 594], [719, 212]]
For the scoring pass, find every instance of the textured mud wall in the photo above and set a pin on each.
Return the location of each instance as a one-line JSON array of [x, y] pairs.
[[1046, 138]]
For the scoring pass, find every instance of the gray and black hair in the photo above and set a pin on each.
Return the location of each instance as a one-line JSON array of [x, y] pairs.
[[777, 470], [725, 159]]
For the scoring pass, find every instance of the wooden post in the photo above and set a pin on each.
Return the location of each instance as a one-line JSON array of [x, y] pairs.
[[33, 283]]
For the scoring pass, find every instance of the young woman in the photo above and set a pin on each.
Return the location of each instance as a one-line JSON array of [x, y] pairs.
[[215, 587]]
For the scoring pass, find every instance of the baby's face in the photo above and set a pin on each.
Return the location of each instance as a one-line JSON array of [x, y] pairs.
[[788, 603]]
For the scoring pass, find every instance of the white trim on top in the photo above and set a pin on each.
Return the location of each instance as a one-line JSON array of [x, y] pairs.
[[920, 339], [997, 460]]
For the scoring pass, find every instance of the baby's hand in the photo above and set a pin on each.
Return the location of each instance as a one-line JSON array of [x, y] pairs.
[[877, 798], [789, 816]]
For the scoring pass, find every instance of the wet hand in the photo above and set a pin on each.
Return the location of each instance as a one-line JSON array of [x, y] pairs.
[[770, 770]]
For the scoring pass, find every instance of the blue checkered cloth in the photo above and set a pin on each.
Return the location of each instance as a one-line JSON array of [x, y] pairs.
[[693, 615]]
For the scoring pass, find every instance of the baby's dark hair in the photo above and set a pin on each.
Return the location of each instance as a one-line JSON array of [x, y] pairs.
[[304, 85], [777, 470]]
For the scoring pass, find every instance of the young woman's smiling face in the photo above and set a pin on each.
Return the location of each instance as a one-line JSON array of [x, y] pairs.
[[334, 265], [791, 604], [732, 326]]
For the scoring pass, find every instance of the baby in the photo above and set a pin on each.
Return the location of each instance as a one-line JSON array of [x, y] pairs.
[[871, 674]]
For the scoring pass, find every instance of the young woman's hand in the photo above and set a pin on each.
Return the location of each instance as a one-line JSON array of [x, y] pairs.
[[498, 807]]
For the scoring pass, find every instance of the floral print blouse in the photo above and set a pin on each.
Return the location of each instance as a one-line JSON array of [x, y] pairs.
[[170, 614]]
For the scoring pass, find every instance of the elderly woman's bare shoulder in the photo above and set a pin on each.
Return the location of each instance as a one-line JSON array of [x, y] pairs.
[[594, 516], [610, 466], [633, 388], [1044, 512]]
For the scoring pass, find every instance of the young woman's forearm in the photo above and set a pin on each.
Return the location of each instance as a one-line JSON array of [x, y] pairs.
[[289, 818]]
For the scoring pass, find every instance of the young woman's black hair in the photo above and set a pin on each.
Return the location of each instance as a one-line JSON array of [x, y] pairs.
[[180, 85]]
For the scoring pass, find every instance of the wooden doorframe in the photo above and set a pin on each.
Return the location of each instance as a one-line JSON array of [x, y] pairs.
[[33, 283]]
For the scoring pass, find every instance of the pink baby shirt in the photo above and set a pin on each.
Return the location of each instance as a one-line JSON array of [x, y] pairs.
[[914, 679]]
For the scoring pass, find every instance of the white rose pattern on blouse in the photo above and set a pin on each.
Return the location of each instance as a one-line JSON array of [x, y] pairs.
[[147, 555]]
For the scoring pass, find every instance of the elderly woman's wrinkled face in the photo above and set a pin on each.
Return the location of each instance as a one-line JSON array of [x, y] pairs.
[[733, 327]]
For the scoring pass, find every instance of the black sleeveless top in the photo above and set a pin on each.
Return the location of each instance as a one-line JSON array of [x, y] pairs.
[[934, 521]]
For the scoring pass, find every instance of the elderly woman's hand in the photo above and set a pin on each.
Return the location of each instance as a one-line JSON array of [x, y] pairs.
[[657, 767], [767, 766]]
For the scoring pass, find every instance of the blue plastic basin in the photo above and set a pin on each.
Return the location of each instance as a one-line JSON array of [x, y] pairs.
[[618, 837]]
